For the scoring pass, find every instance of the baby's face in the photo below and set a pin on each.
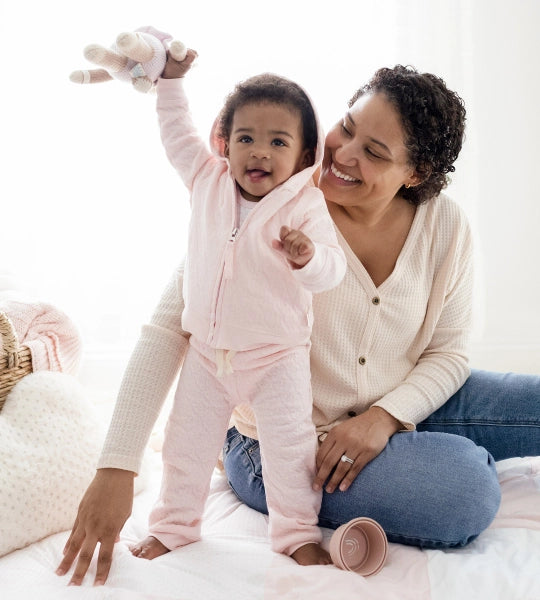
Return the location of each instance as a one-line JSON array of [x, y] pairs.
[[265, 148]]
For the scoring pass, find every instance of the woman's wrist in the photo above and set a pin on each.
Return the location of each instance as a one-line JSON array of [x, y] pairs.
[[114, 472], [389, 423]]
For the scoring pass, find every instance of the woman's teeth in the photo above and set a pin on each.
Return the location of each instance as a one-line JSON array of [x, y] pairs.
[[341, 175]]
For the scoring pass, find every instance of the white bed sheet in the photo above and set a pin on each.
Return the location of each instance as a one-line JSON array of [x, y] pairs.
[[234, 560]]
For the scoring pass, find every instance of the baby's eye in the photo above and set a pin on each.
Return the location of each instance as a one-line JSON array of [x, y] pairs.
[[278, 142], [245, 139]]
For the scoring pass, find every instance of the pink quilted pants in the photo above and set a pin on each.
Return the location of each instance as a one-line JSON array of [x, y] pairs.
[[278, 388]]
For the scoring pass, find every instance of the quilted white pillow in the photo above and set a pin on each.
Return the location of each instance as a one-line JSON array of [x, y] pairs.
[[50, 440]]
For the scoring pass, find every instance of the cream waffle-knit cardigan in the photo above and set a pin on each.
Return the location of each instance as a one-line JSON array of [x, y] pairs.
[[401, 346]]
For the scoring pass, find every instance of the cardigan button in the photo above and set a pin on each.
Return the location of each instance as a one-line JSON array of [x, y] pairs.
[[362, 360], [376, 300]]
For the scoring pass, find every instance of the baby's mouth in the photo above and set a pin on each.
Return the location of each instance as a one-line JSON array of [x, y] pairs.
[[256, 175]]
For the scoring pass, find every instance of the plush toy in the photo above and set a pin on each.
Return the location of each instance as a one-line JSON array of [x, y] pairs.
[[138, 57]]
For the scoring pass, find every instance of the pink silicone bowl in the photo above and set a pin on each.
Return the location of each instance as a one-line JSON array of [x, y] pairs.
[[360, 546]]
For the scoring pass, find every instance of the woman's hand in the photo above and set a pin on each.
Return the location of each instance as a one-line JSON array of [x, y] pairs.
[[361, 439], [102, 513]]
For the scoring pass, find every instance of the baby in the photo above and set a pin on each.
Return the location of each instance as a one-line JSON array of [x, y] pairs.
[[261, 242]]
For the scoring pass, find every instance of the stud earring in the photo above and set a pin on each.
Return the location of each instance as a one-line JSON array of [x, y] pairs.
[[408, 185]]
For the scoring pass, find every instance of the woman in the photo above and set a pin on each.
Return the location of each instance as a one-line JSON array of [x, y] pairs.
[[389, 360]]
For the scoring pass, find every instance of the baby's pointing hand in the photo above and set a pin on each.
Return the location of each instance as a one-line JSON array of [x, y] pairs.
[[295, 246]]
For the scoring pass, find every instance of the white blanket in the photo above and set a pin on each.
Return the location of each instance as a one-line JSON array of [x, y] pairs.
[[234, 560]]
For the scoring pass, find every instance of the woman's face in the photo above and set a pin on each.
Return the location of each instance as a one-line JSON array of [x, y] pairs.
[[365, 160]]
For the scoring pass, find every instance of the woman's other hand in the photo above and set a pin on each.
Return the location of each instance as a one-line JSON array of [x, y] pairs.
[[103, 511], [361, 439]]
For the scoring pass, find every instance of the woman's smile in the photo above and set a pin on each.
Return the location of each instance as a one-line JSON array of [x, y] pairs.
[[341, 175]]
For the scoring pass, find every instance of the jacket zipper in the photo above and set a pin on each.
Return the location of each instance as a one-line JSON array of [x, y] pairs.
[[226, 273]]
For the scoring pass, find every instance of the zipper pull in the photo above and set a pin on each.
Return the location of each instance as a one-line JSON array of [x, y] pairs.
[[229, 256]]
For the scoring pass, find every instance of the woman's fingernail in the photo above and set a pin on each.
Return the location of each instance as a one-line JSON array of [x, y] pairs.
[[316, 487]]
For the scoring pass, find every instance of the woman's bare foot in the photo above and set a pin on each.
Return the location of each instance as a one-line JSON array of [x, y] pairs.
[[149, 548], [311, 554]]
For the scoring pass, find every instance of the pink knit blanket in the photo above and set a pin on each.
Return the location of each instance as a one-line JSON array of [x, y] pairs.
[[54, 341]]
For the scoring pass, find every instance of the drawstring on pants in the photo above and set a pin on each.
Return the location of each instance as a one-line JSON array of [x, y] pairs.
[[223, 362]]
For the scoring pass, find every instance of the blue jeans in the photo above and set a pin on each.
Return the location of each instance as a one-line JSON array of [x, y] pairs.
[[436, 487]]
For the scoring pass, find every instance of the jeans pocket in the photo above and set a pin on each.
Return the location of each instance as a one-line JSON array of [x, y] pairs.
[[241, 452], [233, 439], [252, 456], [242, 460]]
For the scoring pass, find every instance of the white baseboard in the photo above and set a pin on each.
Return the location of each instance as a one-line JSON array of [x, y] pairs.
[[515, 358]]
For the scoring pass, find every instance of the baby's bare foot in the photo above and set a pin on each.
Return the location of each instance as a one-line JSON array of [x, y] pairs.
[[311, 554], [149, 548]]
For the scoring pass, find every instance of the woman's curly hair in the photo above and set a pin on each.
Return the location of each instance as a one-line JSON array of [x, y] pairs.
[[433, 118], [272, 89]]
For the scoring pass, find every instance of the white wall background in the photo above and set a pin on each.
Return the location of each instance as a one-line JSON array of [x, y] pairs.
[[94, 218]]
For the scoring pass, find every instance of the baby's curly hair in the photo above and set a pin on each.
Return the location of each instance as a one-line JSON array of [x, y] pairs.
[[272, 89], [433, 118]]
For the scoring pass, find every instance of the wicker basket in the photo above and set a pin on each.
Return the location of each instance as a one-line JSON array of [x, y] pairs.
[[15, 360]]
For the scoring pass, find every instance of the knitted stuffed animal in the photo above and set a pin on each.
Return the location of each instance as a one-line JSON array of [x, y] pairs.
[[138, 57]]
